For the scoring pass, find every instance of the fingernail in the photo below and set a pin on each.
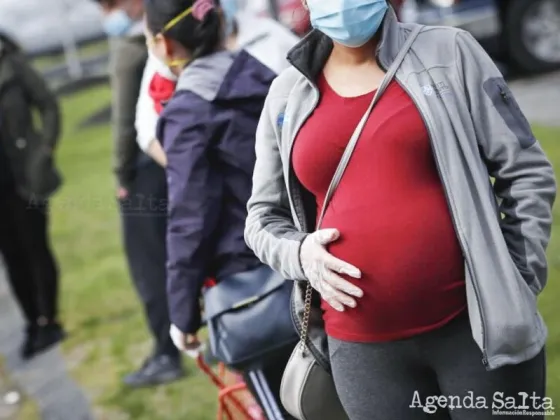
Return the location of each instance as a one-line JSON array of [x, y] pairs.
[[358, 292], [339, 308]]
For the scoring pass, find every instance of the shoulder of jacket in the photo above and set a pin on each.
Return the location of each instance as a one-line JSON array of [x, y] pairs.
[[186, 108], [438, 36], [438, 44]]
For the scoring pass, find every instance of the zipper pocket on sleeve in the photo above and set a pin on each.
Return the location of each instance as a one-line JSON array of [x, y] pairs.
[[508, 108]]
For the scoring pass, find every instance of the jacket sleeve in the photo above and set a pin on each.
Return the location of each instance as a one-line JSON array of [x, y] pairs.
[[194, 197], [42, 97], [524, 178], [269, 230], [128, 59]]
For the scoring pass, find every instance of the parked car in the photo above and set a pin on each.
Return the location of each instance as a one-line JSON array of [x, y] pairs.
[[525, 33], [44, 26]]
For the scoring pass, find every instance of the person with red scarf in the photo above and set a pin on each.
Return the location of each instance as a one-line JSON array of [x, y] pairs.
[[263, 38], [158, 85]]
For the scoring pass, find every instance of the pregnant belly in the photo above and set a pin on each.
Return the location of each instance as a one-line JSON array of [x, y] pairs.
[[412, 272]]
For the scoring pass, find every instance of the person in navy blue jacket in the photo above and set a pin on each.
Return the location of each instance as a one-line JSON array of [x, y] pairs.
[[208, 132]]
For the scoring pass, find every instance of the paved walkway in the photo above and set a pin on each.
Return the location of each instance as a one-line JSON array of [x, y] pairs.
[[44, 379], [539, 98]]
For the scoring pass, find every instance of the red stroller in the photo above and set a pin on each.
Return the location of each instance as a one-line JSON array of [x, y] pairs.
[[235, 402]]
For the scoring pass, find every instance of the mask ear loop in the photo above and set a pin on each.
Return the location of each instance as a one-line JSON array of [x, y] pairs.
[[199, 10], [177, 62]]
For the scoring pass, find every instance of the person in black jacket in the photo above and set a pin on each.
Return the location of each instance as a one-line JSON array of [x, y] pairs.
[[28, 177]]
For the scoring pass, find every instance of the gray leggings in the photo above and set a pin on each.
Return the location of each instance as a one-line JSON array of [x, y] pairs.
[[381, 381]]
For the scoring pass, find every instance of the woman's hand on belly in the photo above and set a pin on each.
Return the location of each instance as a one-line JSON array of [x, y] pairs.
[[322, 270]]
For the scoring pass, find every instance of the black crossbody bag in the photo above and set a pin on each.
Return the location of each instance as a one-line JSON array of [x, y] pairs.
[[248, 317]]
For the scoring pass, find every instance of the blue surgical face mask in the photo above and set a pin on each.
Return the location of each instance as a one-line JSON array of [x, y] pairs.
[[230, 10], [117, 23], [347, 22]]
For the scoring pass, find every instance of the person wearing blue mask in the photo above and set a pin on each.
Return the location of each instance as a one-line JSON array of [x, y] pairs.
[[122, 17], [141, 190], [264, 38], [428, 273]]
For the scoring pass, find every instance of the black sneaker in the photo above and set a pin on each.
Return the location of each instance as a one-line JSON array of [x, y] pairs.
[[40, 338], [27, 347], [156, 371]]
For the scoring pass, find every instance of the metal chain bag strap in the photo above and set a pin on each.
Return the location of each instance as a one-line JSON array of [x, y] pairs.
[[307, 391]]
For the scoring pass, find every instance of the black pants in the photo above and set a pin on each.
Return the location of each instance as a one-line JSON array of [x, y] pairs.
[[404, 379], [32, 270], [264, 384], [144, 223]]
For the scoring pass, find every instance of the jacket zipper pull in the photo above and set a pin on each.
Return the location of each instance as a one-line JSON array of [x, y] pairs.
[[504, 94]]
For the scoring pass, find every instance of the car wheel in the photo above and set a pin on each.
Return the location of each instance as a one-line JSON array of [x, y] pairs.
[[532, 34]]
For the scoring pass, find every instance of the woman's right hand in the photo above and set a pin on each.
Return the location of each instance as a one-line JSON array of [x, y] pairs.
[[322, 270]]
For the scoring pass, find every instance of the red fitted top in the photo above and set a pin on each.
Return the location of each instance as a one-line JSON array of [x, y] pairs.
[[391, 211]]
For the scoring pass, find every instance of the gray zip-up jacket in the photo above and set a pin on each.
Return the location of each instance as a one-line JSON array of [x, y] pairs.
[[128, 56], [477, 132]]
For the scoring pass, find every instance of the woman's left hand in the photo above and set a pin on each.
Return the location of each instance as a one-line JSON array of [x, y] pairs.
[[186, 343]]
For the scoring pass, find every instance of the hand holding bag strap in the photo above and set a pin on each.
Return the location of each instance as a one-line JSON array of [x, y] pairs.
[[345, 159]]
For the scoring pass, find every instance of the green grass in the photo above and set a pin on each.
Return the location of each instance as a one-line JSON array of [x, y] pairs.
[[87, 51], [108, 336]]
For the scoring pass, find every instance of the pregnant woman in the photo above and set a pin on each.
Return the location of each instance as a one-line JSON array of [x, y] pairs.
[[427, 271]]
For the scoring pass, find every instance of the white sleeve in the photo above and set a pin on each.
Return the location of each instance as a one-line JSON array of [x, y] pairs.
[[146, 115]]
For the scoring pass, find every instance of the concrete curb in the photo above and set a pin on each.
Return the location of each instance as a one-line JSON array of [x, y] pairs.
[[44, 378]]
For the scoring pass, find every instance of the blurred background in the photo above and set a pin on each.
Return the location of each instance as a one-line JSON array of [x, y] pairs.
[[66, 43], [66, 36]]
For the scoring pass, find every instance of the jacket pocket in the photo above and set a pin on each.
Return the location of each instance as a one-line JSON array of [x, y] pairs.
[[508, 108], [42, 177]]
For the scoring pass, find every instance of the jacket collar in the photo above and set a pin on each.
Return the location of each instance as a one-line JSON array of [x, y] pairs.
[[205, 75], [226, 75], [311, 53]]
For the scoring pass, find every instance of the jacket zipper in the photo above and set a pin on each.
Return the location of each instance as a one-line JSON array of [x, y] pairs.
[[291, 176], [454, 219], [319, 358], [503, 94]]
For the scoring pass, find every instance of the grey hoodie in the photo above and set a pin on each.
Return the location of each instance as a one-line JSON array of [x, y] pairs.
[[477, 132]]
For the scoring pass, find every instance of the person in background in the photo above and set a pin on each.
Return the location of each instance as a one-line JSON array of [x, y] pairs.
[[28, 178], [208, 132], [142, 190], [158, 85], [429, 273], [264, 38]]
